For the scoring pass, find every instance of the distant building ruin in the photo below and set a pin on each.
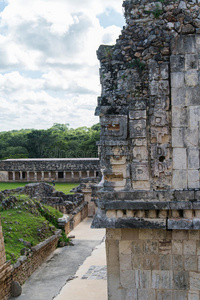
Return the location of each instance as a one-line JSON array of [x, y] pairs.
[[43, 169], [149, 112]]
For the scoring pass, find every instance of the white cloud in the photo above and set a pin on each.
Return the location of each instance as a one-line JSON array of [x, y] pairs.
[[48, 64]]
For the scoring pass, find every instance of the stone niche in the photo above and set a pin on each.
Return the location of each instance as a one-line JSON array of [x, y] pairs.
[[149, 109]]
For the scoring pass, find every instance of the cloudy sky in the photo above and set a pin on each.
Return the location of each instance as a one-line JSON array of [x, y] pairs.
[[49, 72]]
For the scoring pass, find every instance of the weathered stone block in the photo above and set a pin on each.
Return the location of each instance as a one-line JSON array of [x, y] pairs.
[[150, 262], [165, 262], [180, 295], [130, 234], [191, 78], [179, 116], [164, 295], [140, 171], [193, 295], [125, 247], [141, 185], [194, 116], [113, 234], [159, 118], [189, 247], [125, 261], [177, 81], [177, 63], [178, 137], [194, 281], [179, 224], [179, 159], [193, 179], [181, 280], [184, 44], [143, 279], [138, 262], [146, 294], [192, 95], [191, 136], [137, 128], [191, 61], [179, 179], [114, 127], [140, 153], [190, 262], [127, 278], [145, 234], [151, 247], [165, 247], [177, 262], [112, 251], [184, 195], [162, 280], [131, 294], [136, 115]]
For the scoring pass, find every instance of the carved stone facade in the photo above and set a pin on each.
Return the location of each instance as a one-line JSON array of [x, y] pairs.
[[149, 112]]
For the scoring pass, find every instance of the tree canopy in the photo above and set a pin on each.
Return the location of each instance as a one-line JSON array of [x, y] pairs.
[[59, 141]]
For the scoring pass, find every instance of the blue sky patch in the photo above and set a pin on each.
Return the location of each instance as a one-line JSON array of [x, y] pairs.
[[111, 17], [3, 4]]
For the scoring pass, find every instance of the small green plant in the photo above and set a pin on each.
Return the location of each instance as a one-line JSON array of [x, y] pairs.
[[108, 51], [137, 63], [157, 11]]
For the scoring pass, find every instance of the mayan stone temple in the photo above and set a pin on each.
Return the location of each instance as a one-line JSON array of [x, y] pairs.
[[149, 109]]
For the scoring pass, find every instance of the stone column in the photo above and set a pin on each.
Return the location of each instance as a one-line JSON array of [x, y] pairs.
[[80, 174], [42, 177], [35, 176], [20, 175], [56, 175], [88, 173], [49, 175], [28, 176], [72, 175], [13, 175], [95, 173], [64, 175]]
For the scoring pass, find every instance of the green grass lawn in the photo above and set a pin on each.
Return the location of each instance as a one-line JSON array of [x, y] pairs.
[[61, 186], [25, 221]]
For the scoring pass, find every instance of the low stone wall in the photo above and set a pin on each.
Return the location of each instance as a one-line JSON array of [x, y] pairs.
[[71, 221], [26, 265]]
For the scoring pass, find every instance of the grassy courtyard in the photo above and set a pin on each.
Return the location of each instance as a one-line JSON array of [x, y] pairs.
[[61, 186]]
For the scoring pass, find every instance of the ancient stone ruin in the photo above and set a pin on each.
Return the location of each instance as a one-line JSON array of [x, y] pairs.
[[149, 109], [48, 169]]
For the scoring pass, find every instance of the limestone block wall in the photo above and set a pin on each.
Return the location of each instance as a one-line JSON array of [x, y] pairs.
[[153, 264], [185, 88]]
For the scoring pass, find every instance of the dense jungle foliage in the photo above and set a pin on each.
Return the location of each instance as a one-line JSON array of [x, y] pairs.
[[59, 141]]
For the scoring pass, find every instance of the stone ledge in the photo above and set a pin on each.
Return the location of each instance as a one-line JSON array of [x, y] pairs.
[[151, 205], [160, 196], [186, 224]]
